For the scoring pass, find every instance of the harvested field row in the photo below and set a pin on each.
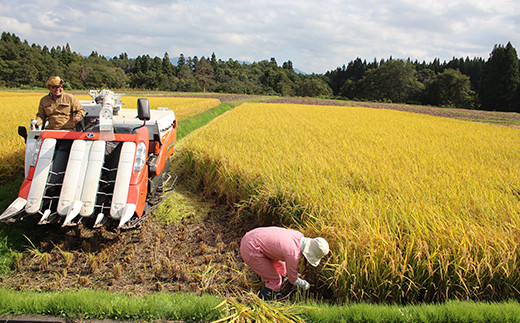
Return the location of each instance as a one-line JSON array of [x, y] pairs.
[[196, 253]]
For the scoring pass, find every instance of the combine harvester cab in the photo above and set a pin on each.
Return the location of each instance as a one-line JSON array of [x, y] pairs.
[[113, 171]]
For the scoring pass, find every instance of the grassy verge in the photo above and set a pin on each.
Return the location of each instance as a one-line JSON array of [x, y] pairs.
[[87, 304], [453, 311], [188, 125], [498, 121]]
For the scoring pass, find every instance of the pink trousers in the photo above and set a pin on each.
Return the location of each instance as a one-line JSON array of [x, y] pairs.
[[271, 271]]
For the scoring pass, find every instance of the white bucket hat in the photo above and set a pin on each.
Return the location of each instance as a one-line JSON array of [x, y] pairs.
[[315, 249]]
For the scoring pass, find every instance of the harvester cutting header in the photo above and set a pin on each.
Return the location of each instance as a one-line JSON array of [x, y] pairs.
[[112, 170]]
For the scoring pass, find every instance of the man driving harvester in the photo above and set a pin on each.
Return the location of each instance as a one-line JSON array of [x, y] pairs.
[[274, 253], [62, 110]]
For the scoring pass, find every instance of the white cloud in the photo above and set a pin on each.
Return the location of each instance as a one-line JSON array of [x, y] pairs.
[[13, 25], [315, 35]]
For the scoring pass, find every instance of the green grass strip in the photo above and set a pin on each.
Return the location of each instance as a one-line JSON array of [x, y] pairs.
[[452, 311], [88, 304], [192, 123]]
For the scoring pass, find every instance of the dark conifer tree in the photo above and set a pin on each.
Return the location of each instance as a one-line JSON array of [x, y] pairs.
[[500, 80]]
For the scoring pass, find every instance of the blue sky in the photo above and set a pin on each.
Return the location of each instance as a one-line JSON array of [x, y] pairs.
[[317, 36]]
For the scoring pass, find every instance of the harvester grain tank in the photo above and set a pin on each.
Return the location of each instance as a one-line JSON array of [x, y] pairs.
[[115, 169]]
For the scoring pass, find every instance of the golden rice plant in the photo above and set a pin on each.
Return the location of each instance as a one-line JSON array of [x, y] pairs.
[[16, 109], [183, 107], [415, 207], [250, 308]]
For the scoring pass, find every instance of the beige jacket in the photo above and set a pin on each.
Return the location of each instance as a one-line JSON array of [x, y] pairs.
[[59, 112]]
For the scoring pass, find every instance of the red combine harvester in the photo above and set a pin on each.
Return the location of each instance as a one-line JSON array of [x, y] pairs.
[[115, 170]]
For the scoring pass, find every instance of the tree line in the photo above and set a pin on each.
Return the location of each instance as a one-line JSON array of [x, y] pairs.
[[466, 83], [24, 65]]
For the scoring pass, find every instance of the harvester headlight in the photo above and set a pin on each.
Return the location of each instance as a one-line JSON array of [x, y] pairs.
[[140, 156], [36, 150]]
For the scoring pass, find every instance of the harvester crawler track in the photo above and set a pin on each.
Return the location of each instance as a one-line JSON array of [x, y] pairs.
[[153, 201]]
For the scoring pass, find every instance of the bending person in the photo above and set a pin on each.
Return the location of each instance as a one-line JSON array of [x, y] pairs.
[[274, 253]]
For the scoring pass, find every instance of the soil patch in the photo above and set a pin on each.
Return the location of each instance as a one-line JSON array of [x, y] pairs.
[[199, 253]]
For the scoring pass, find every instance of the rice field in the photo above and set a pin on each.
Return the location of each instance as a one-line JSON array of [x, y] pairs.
[[183, 107], [415, 207], [18, 108]]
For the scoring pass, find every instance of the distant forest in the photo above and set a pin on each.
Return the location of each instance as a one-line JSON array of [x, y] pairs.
[[492, 84]]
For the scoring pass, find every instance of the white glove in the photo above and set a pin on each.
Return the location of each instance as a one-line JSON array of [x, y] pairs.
[[302, 283]]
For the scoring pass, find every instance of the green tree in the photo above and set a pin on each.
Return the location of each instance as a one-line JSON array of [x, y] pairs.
[[143, 63], [349, 89], [451, 89], [205, 73], [77, 75], [213, 60], [288, 66], [394, 80], [124, 63], [167, 66], [181, 61], [105, 77], [314, 86], [157, 65], [500, 80], [185, 72]]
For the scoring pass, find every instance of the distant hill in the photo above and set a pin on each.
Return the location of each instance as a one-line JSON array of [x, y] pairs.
[[300, 71]]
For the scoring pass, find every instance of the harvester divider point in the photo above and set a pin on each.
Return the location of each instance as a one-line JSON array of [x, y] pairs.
[[73, 213], [45, 216], [14, 208], [127, 213], [99, 220]]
